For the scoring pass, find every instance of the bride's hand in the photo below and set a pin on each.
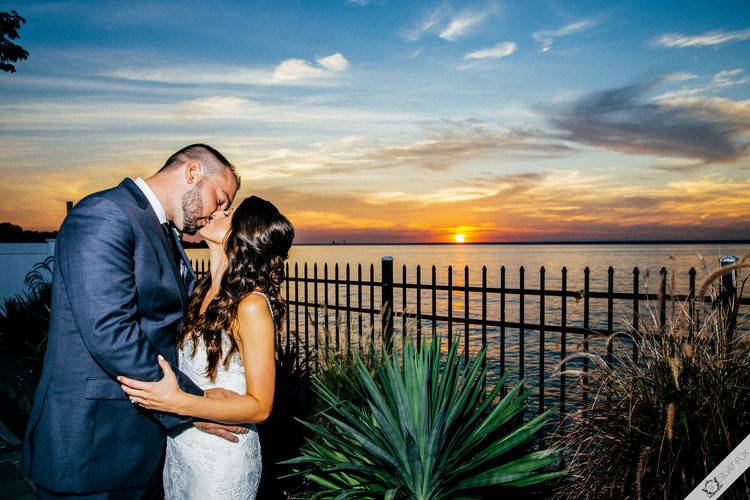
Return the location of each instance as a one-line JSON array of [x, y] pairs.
[[164, 395]]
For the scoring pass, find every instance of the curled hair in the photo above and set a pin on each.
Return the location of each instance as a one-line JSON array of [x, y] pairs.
[[256, 246]]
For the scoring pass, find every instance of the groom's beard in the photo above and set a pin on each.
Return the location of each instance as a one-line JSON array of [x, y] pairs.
[[192, 208]]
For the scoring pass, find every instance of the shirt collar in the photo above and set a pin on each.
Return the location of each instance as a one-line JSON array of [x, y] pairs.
[[152, 199]]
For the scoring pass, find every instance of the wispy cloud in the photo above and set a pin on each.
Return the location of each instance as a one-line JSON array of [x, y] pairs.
[[458, 142], [567, 204], [679, 77], [716, 108], [448, 24], [626, 120], [677, 165], [547, 37], [677, 40], [720, 81], [67, 115], [463, 190], [338, 219], [427, 25], [595, 205], [293, 70], [500, 50], [335, 62], [446, 195], [415, 53], [444, 148], [287, 72], [461, 24], [216, 106]]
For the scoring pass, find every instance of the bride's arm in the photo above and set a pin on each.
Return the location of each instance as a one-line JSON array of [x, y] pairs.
[[256, 343]]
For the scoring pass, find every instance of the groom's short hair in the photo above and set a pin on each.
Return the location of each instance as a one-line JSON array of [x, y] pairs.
[[209, 158]]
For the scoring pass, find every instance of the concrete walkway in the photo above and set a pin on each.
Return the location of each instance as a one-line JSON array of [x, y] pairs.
[[12, 484]]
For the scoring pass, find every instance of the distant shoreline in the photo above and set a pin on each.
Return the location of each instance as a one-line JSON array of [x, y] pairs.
[[504, 243]]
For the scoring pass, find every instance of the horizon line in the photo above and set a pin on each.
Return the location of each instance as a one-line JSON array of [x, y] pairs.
[[564, 242]]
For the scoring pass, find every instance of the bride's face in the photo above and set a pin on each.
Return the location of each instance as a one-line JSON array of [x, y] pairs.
[[218, 227]]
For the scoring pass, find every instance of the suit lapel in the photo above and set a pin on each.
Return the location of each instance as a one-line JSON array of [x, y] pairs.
[[153, 220], [190, 278]]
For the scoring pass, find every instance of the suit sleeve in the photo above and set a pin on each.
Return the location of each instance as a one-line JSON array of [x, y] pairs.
[[97, 266]]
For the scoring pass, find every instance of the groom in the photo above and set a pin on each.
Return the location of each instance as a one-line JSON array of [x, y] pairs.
[[120, 287]]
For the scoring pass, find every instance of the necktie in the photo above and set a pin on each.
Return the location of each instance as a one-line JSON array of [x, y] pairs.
[[169, 232]]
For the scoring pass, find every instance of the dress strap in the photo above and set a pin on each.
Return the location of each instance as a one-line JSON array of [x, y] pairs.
[[267, 300]]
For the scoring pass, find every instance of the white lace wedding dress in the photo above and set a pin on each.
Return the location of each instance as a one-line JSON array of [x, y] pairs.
[[203, 466]]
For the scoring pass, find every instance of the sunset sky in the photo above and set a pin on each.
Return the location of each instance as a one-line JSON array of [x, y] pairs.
[[394, 121]]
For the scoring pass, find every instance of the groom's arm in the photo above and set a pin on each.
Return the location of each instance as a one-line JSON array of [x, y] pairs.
[[187, 384], [96, 249]]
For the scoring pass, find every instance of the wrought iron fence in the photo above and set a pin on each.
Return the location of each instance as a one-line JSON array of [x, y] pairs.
[[312, 297]]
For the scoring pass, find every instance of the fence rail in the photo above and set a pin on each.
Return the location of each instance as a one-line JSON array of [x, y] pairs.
[[549, 320]]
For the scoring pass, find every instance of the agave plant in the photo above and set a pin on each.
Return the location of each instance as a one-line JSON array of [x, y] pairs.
[[428, 430], [336, 369]]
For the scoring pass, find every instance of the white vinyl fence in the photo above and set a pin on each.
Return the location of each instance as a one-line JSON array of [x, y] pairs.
[[16, 260]]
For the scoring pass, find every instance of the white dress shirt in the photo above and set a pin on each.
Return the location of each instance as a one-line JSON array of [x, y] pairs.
[[152, 199], [159, 209]]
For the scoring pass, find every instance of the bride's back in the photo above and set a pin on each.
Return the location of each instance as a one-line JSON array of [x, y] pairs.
[[201, 465], [195, 364]]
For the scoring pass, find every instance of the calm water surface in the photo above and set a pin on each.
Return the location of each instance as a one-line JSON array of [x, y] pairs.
[[623, 258], [676, 258]]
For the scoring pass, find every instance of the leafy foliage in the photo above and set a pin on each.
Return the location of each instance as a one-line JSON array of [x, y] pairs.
[[281, 435], [10, 23], [24, 319], [427, 430], [659, 425]]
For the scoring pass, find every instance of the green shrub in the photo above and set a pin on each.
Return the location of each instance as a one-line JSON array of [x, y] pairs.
[[657, 427], [24, 319], [427, 430], [281, 435]]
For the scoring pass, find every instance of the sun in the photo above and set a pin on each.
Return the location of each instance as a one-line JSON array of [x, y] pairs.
[[459, 238]]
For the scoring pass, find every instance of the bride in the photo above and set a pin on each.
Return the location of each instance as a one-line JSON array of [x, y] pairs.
[[226, 340]]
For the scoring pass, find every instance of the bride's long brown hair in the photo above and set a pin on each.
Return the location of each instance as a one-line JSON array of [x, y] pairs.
[[256, 245]]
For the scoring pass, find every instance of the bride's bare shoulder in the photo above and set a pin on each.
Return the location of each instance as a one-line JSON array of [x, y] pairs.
[[254, 320], [254, 306]]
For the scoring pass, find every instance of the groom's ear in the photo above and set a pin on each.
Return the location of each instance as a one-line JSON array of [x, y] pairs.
[[193, 172]]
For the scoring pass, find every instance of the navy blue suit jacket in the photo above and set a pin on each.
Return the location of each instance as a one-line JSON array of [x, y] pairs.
[[117, 300]]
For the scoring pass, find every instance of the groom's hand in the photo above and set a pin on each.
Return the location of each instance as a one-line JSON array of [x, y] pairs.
[[222, 430], [225, 431], [219, 392]]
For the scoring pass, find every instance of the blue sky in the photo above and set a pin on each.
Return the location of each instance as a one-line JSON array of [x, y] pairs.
[[397, 121]]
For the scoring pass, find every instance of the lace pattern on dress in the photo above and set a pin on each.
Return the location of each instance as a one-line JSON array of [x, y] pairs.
[[203, 466]]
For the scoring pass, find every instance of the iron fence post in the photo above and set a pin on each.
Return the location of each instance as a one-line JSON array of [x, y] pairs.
[[387, 298]]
